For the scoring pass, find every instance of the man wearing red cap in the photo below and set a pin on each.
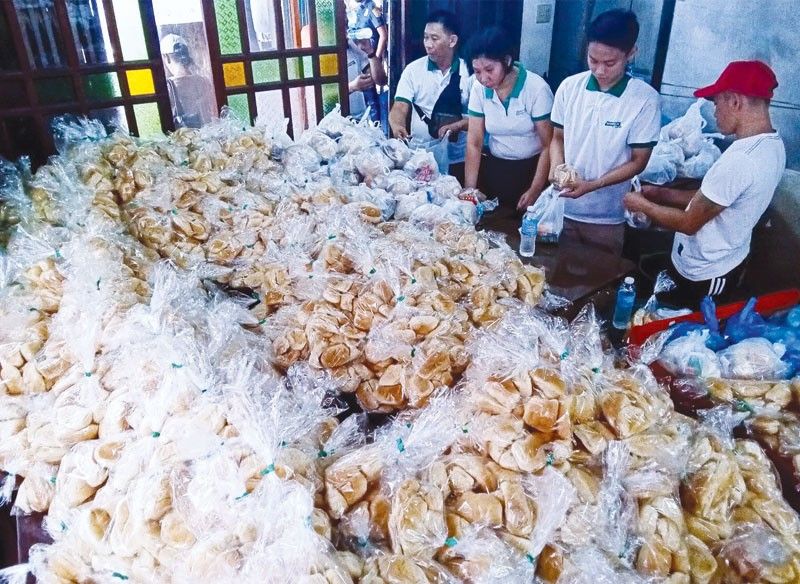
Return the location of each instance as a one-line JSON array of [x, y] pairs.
[[714, 225]]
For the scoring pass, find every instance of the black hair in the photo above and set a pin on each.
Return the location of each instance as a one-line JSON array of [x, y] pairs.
[[447, 19], [615, 28], [492, 43]]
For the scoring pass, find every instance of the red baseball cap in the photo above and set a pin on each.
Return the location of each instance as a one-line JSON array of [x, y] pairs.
[[752, 78]]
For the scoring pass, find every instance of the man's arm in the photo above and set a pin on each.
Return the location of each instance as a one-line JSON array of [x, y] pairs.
[[383, 39], [700, 211], [376, 70], [459, 126], [397, 119], [623, 172], [668, 197]]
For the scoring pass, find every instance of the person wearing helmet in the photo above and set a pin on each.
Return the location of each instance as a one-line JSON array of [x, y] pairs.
[[191, 95], [714, 225], [365, 71]]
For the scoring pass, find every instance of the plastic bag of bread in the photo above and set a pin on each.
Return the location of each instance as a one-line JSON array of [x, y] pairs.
[[480, 556], [689, 356], [564, 176], [755, 553], [755, 358]]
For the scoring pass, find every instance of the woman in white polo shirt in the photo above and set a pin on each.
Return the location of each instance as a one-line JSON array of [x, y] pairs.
[[513, 105]]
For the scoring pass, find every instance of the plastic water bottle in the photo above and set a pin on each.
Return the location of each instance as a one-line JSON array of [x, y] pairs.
[[527, 234], [626, 296]]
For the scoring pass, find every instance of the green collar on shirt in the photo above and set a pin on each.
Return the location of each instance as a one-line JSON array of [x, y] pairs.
[[453, 66], [616, 90], [522, 74]]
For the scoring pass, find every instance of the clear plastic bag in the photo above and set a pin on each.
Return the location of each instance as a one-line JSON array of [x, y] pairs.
[[754, 358], [549, 209], [663, 165], [419, 166], [698, 165], [689, 356]]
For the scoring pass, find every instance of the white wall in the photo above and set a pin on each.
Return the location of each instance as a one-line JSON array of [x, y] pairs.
[[707, 34], [536, 38]]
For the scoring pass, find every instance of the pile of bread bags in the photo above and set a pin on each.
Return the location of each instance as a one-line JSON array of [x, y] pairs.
[[183, 319]]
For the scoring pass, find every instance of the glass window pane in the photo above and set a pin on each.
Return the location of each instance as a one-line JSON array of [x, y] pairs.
[[299, 68], [260, 16], [330, 97], [240, 107], [233, 73], [40, 32], [131, 33], [326, 27], [269, 103], [187, 63], [147, 119], [90, 31], [55, 90], [267, 71], [230, 43], [304, 109], [99, 86], [111, 117], [328, 65], [296, 24], [8, 56], [13, 94], [140, 81]]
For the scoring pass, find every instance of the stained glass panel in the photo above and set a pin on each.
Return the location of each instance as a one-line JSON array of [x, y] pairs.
[[233, 73], [99, 86], [240, 107], [326, 27], [299, 68], [330, 96], [140, 81], [328, 65], [230, 43], [267, 71], [147, 119]]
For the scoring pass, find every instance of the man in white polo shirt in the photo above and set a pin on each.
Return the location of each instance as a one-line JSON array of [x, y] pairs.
[[605, 126], [434, 90], [714, 225]]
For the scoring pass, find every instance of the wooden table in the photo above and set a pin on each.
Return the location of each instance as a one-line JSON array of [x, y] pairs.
[[573, 270]]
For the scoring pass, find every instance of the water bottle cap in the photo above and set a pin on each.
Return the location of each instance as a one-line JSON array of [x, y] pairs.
[[629, 280]]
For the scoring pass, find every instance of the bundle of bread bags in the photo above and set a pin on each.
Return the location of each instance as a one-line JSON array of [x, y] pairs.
[[180, 320]]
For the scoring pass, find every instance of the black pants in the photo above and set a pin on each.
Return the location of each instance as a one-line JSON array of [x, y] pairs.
[[506, 179], [689, 293]]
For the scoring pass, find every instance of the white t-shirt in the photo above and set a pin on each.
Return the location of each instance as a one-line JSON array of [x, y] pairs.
[[356, 61], [421, 83], [511, 124], [600, 128], [743, 181]]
